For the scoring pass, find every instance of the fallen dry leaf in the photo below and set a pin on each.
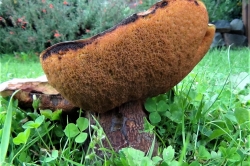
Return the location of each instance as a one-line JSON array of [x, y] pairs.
[[49, 97]]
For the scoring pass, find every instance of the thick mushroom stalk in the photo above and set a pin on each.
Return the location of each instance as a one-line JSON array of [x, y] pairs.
[[143, 56]]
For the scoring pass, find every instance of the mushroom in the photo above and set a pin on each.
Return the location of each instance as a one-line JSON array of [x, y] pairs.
[[145, 55]]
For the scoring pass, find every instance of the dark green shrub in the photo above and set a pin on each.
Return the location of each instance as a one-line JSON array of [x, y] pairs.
[[28, 25], [223, 9], [33, 25]]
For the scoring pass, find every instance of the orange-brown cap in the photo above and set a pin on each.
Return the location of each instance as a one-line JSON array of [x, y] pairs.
[[143, 56]]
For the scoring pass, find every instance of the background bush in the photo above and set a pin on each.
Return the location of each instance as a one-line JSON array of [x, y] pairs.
[[33, 25], [223, 9]]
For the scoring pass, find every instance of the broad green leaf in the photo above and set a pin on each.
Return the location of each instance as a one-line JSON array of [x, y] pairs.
[[146, 161], [216, 133], [232, 154], [54, 153], [164, 164], [203, 153], [215, 155], [150, 105], [39, 120], [240, 80], [199, 97], [71, 130], [234, 158], [230, 115], [30, 125], [154, 117], [242, 115], [81, 138], [194, 163], [33, 115], [176, 163], [24, 156], [167, 114], [223, 151], [162, 106], [156, 159], [168, 154], [82, 123], [137, 154], [59, 131], [244, 98], [47, 113], [22, 137], [56, 115], [176, 113], [133, 156]]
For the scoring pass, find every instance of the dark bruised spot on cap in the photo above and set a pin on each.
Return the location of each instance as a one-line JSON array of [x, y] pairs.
[[163, 4], [197, 4], [64, 47]]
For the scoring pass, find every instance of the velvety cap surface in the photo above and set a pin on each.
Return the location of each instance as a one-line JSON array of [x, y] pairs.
[[143, 56]]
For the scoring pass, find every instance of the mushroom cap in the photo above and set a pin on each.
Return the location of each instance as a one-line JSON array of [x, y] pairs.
[[143, 56]]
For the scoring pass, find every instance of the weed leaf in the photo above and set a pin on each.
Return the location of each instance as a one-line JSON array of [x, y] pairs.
[[168, 154], [71, 130], [150, 105], [216, 133], [81, 138], [154, 117], [24, 157], [134, 157], [39, 120], [242, 115], [82, 123], [22, 137], [55, 115], [203, 153], [230, 115], [162, 106], [47, 113], [33, 115], [156, 159], [195, 163], [31, 124]]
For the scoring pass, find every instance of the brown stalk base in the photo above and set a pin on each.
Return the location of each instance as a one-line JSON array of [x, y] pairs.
[[124, 127]]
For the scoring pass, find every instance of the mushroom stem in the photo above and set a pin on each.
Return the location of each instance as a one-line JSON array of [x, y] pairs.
[[123, 126]]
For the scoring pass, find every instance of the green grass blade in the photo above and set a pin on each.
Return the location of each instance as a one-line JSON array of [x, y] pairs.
[[6, 131]]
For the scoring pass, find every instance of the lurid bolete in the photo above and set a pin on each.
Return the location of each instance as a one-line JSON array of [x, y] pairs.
[[113, 72]]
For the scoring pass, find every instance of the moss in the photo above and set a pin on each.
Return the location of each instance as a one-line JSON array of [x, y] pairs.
[[142, 58]]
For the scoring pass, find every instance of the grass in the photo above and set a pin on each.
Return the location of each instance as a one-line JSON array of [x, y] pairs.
[[207, 123], [19, 65]]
